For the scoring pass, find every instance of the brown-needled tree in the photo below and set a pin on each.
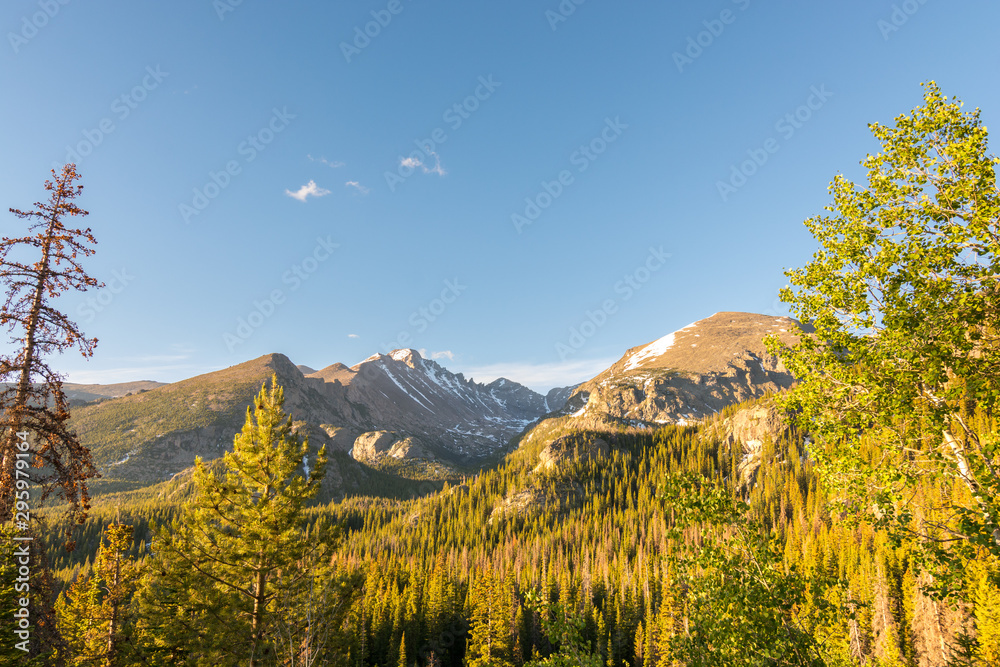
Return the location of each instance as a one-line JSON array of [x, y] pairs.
[[34, 270]]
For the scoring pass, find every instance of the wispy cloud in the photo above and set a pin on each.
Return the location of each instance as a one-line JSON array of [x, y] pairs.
[[323, 160], [444, 354], [353, 336], [540, 377], [310, 189], [414, 163], [357, 186]]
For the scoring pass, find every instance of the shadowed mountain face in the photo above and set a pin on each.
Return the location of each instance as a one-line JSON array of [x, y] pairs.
[[455, 418], [150, 436], [687, 375]]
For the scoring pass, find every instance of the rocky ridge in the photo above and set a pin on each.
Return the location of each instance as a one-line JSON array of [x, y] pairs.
[[397, 406], [689, 374]]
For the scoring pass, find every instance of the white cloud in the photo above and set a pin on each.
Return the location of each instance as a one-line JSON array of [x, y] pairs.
[[353, 336], [357, 186], [443, 354], [307, 190], [413, 163], [540, 377], [333, 165]]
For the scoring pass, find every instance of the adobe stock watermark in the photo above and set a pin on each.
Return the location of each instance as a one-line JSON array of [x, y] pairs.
[[714, 28], [20, 551], [248, 149], [900, 16], [381, 18], [97, 302], [422, 318], [122, 107], [562, 12], [30, 25], [454, 116], [778, 308], [581, 158], [223, 7], [786, 127], [434, 650], [264, 309], [630, 284]]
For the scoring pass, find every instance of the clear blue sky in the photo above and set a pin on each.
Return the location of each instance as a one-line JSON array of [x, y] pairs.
[[161, 96]]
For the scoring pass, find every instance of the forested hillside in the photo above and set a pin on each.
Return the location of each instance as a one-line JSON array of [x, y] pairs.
[[595, 535]]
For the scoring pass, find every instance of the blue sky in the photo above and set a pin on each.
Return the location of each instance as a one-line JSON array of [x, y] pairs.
[[271, 158]]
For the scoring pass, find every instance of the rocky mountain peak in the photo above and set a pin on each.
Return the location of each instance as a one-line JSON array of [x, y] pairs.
[[688, 374], [407, 356]]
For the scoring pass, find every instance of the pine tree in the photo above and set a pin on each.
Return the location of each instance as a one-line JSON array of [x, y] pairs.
[[490, 645], [402, 652], [20, 639], [222, 570], [566, 631], [32, 400], [94, 615]]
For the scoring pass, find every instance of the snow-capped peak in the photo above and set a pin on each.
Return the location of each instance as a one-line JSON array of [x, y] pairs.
[[655, 349], [404, 355]]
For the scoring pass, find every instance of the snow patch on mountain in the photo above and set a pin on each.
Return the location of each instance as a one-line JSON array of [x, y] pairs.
[[655, 349]]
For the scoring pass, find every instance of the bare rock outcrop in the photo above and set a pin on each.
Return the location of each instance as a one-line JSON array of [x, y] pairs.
[[569, 448], [748, 430], [524, 503], [376, 445], [373, 445]]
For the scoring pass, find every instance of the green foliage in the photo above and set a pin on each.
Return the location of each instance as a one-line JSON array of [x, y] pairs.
[[113, 429], [608, 553], [94, 615], [491, 599], [14, 588], [565, 630], [233, 576], [903, 298], [742, 604]]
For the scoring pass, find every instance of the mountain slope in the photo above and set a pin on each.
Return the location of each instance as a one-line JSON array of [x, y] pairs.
[[426, 411], [155, 434], [455, 418], [680, 378], [693, 372]]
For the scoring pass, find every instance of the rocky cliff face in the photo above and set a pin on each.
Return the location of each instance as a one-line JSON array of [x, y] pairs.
[[376, 445], [454, 418], [689, 374], [680, 378], [747, 431], [569, 448]]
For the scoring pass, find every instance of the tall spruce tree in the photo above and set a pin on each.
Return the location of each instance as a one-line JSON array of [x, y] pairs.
[[94, 615], [35, 270], [491, 643], [225, 573]]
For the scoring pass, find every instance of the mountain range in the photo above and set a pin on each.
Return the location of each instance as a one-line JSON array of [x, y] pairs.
[[400, 411]]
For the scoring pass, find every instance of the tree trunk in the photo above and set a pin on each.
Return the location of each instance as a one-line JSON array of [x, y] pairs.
[[109, 653], [24, 381], [256, 624]]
